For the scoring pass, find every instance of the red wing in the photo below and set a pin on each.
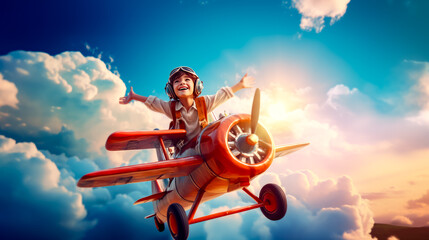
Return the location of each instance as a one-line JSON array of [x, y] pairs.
[[141, 172], [142, 139], [286, 149]]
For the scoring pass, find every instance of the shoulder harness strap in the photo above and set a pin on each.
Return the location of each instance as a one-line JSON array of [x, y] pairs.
[[202, 111], [175, 114]]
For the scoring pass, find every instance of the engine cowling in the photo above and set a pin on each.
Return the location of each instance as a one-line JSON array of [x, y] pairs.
[[232, 152]]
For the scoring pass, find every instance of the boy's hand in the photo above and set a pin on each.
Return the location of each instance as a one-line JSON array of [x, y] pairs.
[[245, 82], [127, 99]]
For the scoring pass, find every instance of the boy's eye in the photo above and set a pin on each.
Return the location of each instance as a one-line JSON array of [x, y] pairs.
[[188, 79]]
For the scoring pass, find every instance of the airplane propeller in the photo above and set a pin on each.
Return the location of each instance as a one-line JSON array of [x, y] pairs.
[[243, 142], [253, 139], [255, 111]]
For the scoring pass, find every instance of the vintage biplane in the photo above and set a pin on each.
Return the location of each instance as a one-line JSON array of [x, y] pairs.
[[233, 150]]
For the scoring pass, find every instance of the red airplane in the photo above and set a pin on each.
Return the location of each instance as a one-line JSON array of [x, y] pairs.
[[233, 151]]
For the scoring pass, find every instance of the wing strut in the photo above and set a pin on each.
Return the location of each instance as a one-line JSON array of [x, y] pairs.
[[164, 150], [191, 220]]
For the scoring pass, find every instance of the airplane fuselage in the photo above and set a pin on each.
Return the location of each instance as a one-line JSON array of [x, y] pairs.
[[221, 172]]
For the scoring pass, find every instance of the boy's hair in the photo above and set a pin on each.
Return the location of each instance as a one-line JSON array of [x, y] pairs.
[[179, 74]]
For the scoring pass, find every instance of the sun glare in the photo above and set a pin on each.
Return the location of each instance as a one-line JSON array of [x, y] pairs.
[[277, 110]]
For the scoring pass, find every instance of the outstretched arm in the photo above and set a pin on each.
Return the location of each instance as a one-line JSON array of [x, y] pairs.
[[245, 82], [132, 96]]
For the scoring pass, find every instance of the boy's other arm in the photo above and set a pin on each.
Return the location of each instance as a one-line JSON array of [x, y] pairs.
[[132, 96], [245, 82]]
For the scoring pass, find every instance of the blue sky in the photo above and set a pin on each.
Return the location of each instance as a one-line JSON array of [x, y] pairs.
[[350, 77], [148, 38]]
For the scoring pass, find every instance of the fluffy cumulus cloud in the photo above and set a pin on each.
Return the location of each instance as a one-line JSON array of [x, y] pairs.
[[35, 200], [74, 108], [402, 221], [54, 121], [8, 93], [317, 209], [314, 12], [40, 199], [420, 93]]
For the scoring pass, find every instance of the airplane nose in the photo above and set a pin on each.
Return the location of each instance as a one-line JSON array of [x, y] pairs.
[[232, 150], [252, 139], [243, 146]]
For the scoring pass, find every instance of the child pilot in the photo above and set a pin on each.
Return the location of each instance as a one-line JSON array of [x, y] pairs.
[[185, 108]]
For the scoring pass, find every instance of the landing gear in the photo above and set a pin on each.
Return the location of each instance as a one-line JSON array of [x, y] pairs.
[[274, 199], [177, 222], [160, 226]]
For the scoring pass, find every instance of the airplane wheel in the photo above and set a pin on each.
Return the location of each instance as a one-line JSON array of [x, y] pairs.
[[177, 221], [275, 204], [160, 226]]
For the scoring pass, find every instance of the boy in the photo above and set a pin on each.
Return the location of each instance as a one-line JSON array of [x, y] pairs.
[[183, 87]]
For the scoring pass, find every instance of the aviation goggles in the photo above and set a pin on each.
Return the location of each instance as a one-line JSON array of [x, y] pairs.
[[185, 69]]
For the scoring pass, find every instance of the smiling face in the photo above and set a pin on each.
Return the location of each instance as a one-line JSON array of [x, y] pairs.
[[184, 86]]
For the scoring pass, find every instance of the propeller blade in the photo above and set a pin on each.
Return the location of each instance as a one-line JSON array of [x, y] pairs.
[[255, 111]]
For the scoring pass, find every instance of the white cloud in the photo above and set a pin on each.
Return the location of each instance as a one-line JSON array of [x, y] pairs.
[[76, 102], [225, 228], [402, 221], [22, 71], [8, 92], [74, 91], [332, 207], [35, 190], [420, 95], [43, 200], [338, 91], [308, 23], [319, 200], [314, 12], [392, 238]]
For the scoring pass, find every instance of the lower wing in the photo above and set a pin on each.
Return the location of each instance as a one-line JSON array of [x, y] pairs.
[[141, 172]]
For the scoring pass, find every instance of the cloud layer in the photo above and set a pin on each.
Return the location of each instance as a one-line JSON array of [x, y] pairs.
[[350, 132], [74, 108], [324, 208], [36, 196], [61, 129]]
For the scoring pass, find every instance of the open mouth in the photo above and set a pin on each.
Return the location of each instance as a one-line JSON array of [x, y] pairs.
[[183, 88]]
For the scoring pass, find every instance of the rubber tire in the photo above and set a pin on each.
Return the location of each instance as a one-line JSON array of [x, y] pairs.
[[160, 226], [276, 198], [181, 230]]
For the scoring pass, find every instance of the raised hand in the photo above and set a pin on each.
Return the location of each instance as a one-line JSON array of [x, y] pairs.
[[128, 98], [247, 81]]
